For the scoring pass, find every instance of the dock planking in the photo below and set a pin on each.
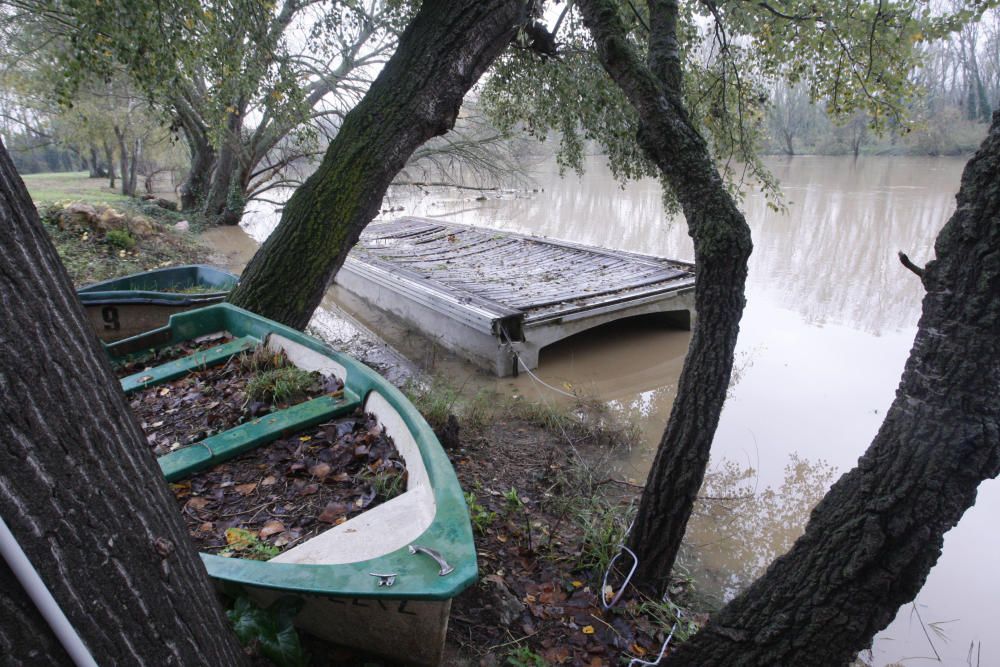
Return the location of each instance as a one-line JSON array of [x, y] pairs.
[[487, 294]]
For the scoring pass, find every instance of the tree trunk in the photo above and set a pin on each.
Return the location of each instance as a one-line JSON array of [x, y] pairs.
[[134, 167], [789, 142], [226, 166], [722, 247], [195, 186], [123, 160], [79, 487], [417, 95], [93, 163], [872, 540], [109, 155]]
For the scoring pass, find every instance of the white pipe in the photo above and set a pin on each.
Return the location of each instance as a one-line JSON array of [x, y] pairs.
[[40, 595]]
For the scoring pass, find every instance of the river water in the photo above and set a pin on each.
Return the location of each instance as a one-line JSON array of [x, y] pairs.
[[830, 319]]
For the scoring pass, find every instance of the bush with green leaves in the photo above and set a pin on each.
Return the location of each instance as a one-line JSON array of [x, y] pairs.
[[120, 239]]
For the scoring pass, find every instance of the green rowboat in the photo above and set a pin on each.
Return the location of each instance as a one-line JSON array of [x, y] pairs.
[[383, 580], [127, 306]]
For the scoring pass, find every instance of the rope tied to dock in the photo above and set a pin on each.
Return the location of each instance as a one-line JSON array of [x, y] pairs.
[[510, 348]]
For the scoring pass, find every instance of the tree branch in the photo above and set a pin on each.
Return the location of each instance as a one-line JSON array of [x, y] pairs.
[[905, 261]]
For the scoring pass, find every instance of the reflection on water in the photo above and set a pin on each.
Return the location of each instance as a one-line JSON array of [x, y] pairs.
[[738, 529], [830, 319]]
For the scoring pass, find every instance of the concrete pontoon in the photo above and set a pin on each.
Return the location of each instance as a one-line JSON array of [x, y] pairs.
[[497, 297]]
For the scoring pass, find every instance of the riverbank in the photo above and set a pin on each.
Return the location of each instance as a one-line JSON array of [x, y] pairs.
[[548, 514]]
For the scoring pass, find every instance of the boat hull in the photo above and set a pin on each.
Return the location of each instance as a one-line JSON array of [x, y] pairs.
[[123, 307], [410, 632]]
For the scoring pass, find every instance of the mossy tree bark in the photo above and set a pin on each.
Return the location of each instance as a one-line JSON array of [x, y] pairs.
[[441, 54], [79, 487], [871, 542], [722, 247]]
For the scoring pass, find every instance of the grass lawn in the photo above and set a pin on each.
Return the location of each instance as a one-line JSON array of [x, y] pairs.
[[71, 186]]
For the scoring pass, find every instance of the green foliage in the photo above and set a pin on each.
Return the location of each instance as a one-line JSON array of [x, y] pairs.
[[86, 258], [120, 239], [573, 96], [514, 502], [437, 398], [604, 526], [670, 616], [856, 56], [279, 385], [523, 656], [480, 517], [271, 629], [261, 359], [387, 484], [246, 544]]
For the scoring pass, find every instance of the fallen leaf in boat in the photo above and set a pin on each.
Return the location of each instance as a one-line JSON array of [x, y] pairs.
[[145, 378], [272, 528], [178, 487], [320, 470], [238, 538], [556, 656], [332, 512], [197, 503], [246, 489]]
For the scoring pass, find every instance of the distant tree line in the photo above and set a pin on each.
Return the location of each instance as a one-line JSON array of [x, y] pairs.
[[959, 84]]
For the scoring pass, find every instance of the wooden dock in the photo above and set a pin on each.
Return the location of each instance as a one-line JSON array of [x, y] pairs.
[[495, 297]]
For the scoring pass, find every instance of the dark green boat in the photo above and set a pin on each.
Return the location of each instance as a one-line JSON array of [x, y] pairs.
[[127, 306], [381, 581]]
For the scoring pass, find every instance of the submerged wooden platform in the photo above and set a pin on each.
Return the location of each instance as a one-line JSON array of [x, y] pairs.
[[496, 297]]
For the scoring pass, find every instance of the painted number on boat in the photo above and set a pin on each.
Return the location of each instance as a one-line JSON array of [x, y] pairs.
[[110, 316]]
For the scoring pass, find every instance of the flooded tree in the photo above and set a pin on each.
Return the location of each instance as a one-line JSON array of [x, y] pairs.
[[82, 495]]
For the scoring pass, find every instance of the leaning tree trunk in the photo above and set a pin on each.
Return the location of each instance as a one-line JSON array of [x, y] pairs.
[[872, 540], [417, 96], [79, 487], [722, 247]]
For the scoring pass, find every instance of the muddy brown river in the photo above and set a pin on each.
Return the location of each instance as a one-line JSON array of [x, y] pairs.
[[830, 319]]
